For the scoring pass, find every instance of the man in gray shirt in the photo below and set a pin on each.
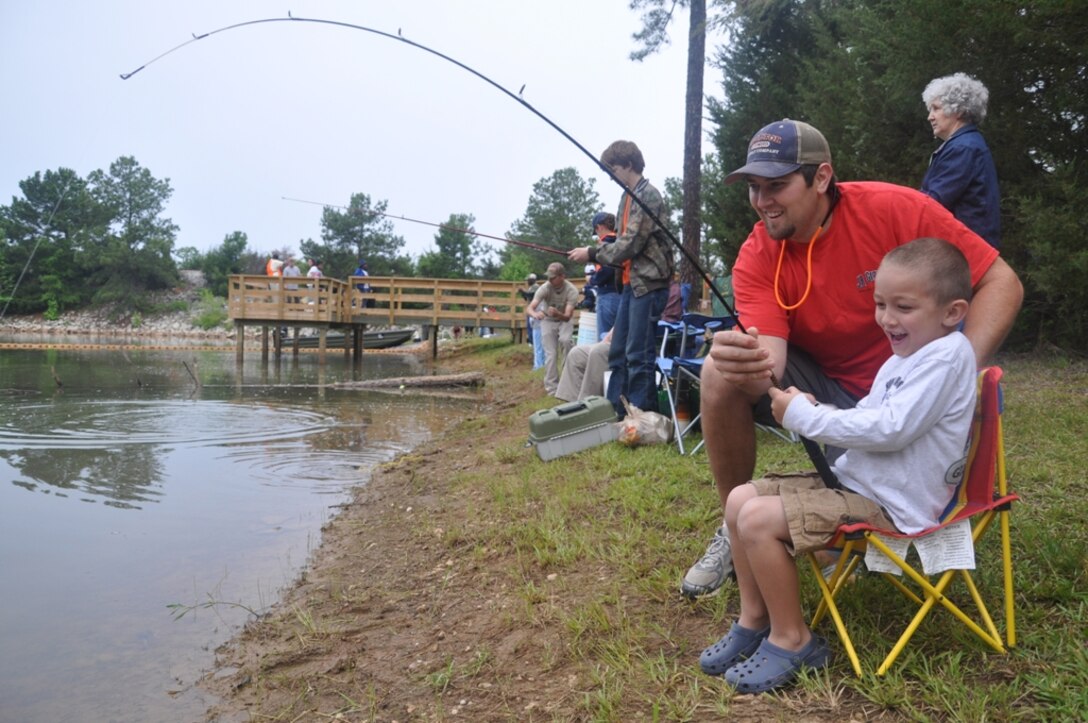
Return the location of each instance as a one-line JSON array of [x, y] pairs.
[[553, 305]]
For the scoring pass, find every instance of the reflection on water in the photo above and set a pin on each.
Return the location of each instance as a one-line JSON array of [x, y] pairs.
[[127, 487]]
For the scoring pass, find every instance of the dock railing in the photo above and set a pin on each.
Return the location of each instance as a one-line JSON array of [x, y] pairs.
[[256, 298], [435, 302], [390, 301]]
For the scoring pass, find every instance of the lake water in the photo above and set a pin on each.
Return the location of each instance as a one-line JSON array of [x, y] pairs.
[[129, 489]]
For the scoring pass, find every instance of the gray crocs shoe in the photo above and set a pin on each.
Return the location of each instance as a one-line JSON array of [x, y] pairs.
[[771, 667], [708, 574], [735, 646]]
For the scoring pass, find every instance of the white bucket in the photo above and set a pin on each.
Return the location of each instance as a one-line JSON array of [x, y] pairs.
[[587, 327]]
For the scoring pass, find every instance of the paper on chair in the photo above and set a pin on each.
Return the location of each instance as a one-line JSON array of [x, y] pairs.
[[949, 548], [877, 561]]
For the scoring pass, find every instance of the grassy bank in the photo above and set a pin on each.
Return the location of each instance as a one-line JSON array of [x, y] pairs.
[[471, 580]]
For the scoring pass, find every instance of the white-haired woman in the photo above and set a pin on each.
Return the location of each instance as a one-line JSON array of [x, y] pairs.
[[961, 174]]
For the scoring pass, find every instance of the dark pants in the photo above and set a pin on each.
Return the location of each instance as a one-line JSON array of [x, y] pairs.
[[632, 358]]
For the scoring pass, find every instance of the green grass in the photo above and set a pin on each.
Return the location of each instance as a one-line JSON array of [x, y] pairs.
[[584, 555], [617, 526]]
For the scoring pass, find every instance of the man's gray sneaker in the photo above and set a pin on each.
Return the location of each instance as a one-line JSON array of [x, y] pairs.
[[707, 575]]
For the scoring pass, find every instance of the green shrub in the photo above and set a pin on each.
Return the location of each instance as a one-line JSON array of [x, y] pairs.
[[211, 311]]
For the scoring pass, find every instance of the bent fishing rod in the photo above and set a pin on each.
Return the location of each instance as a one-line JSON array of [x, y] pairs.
[[812, 448], [515, 96], [516, 242]]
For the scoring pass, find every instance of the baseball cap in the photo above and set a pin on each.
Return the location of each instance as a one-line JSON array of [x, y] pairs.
[[781, 148], [556, 269], [599, 218]]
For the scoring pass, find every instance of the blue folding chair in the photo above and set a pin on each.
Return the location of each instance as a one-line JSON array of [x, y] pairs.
[[681, 370], [669, 333]]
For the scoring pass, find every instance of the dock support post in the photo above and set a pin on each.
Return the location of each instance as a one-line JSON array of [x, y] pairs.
[[239, 342]]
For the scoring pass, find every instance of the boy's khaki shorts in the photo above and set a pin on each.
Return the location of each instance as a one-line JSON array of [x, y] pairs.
[[814, 512]]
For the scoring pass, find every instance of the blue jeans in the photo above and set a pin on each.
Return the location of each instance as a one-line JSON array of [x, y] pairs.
[[607, 306], [632, 358], [538, 344]]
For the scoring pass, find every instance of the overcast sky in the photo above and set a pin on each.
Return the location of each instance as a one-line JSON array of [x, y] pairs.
[[241, 119]]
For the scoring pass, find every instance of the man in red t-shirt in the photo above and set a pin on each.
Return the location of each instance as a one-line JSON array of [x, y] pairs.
[[803, 288]]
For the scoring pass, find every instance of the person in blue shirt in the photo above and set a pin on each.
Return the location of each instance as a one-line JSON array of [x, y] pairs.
[[606, 281], [961, 174], [364, 287]]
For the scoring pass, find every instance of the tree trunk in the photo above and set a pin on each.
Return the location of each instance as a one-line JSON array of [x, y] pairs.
[[693, 136]]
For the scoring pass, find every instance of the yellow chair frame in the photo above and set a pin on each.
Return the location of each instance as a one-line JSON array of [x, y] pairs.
[[977, 498]]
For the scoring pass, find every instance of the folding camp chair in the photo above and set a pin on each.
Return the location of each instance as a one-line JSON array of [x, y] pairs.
[[671, 334], [976, 503], [681, 369]]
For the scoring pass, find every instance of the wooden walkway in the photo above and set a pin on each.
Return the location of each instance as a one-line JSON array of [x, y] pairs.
[[326, 303]]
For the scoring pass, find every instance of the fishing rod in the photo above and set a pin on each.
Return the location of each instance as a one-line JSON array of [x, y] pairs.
[[515, 96], [516, 242], [811, 447]]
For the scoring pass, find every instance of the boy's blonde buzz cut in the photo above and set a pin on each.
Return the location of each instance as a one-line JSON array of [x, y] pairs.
[[941, 263]]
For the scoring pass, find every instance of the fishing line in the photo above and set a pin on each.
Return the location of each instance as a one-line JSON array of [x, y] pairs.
[[41, 237], [515, 96], [516, 242]]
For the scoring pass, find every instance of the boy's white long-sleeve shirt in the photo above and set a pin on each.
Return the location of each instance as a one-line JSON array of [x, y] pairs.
[[906, 441]]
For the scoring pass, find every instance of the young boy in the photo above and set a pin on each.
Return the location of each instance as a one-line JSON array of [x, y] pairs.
[[642, 249], [906, 448]]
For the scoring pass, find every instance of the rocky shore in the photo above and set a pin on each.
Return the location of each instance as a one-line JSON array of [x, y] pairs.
[[109, 321], [176, 325]]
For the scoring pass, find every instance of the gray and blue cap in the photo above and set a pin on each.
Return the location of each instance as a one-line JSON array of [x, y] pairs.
[[781, 148]]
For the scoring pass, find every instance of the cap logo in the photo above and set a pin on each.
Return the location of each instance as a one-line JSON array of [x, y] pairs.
[[781, 148]]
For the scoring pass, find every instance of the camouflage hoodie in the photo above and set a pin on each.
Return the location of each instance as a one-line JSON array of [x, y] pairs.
[[641, 241]]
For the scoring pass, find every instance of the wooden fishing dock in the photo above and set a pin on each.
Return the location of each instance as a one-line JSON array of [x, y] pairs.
[[325, 303]]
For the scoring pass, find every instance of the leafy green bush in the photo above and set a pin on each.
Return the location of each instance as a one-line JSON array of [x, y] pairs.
[[211, 311], [52, 310]]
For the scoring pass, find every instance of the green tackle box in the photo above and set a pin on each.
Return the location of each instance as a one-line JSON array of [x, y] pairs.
[[572, 427]]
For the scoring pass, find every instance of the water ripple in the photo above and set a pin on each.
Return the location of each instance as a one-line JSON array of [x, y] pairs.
[[94, 425]]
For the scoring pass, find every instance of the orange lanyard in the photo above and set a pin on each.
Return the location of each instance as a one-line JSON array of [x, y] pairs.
[[808, 263], [808, 280]]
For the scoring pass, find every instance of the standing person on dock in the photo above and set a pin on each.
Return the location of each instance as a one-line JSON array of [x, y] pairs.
[[291, 270], [274, 265], [642, 247], [364, 287], [553, 306]]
